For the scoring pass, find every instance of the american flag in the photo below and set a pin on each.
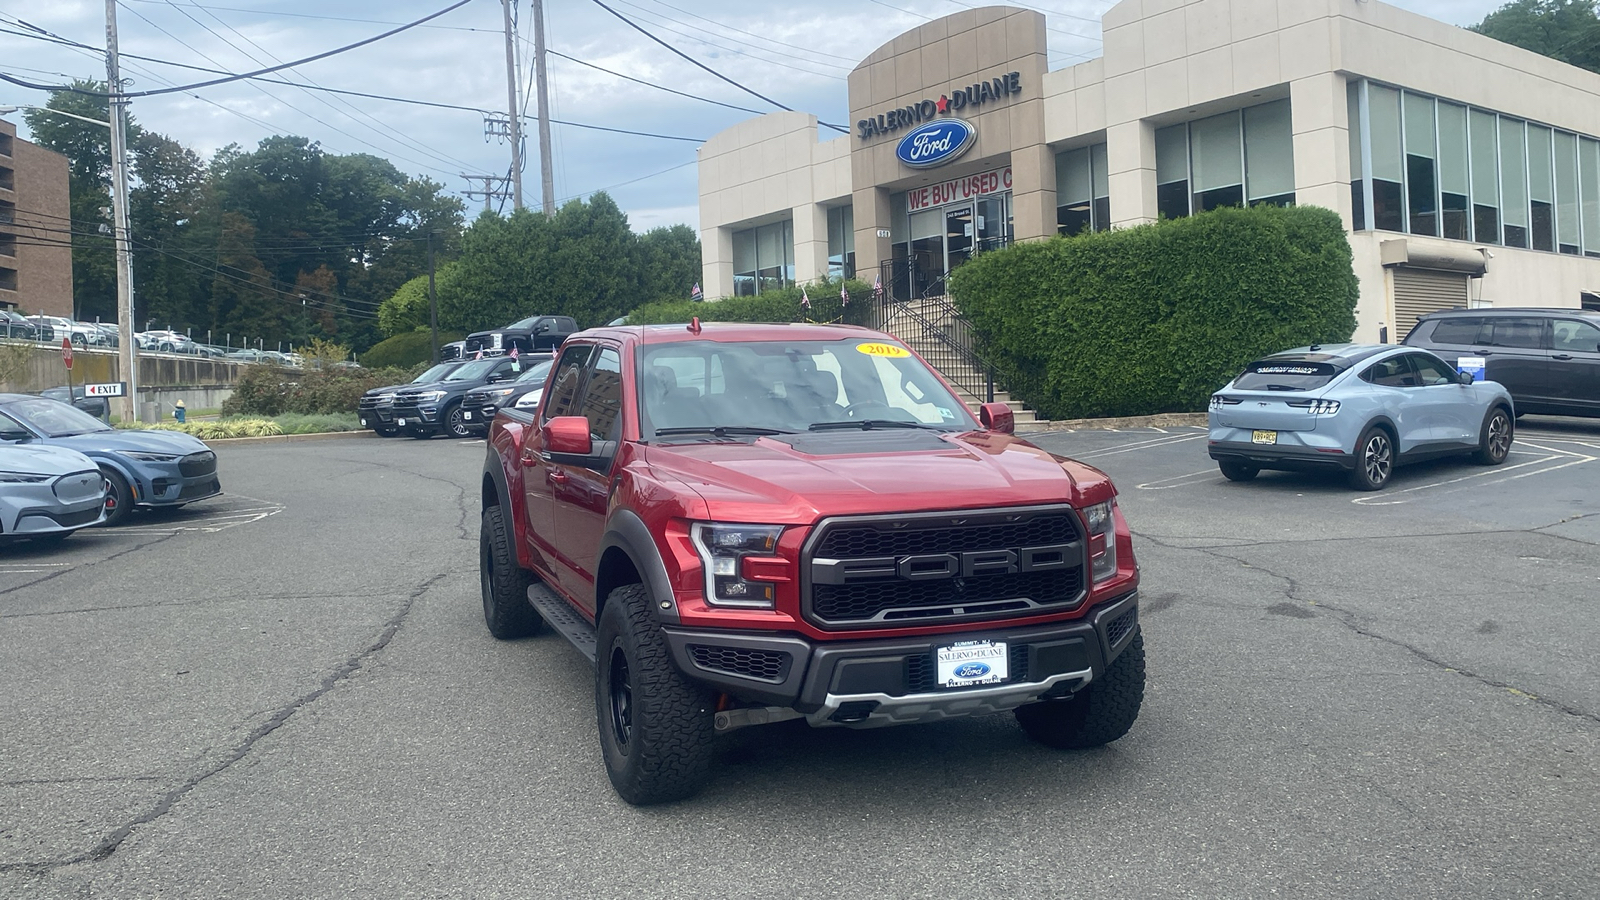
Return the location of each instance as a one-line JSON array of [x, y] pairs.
[[695, 294], [844, 295], [805, 299], [877, 286]]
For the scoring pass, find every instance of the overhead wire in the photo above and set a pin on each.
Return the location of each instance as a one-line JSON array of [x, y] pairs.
[[761, 37], [738, 48]]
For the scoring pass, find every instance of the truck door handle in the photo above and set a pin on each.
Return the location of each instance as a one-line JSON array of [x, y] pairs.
[[556, 476], [1482, 352], [528, 460], [1562, 356]]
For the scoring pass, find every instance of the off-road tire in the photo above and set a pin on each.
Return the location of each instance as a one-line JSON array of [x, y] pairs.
[[656, 736], [1375, 459], [504, 584], [1495, 437], [1237, 471], [119, 498], [1096, 715]]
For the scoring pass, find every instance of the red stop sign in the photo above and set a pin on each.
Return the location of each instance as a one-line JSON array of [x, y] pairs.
[[66, 351]]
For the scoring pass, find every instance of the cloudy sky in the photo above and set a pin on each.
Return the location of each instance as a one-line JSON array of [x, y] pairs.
[[798, 54]]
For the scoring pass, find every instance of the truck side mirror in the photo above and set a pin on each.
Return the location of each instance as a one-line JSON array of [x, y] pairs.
[[568, 435], [997, 417]]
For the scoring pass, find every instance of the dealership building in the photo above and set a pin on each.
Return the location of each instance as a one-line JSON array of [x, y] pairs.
[[1466, 171]]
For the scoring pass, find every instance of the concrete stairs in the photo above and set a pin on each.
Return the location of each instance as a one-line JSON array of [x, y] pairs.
[[919, 323]]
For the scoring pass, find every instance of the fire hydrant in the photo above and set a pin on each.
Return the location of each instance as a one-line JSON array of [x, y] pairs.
[[178, 412]]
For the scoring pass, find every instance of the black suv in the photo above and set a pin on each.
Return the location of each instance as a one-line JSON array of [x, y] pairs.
[[1549, 359], [531, 334], [376, 406], [429, 409], [480, 404]]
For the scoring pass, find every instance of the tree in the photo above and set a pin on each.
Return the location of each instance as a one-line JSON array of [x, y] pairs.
[[1567, 30], [163, 212], [669, 262]]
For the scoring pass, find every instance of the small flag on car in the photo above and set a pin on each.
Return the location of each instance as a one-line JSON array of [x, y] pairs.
[[805, 299], [695, 293], [877, 286], [844, 295], [513, 353]]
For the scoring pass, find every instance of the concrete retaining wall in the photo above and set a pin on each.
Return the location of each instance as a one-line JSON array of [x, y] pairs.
[[164, 378]]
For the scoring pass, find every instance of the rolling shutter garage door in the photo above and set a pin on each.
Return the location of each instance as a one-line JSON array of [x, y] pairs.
[[1418, 292]]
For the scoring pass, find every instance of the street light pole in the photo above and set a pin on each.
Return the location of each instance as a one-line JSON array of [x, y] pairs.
[[127, 347]]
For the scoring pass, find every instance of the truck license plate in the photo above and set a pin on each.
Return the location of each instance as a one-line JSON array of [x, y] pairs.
[[1263, 437], [971, 662], [400, 422]]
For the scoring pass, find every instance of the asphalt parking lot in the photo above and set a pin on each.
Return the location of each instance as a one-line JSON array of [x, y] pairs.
[[289, 692]]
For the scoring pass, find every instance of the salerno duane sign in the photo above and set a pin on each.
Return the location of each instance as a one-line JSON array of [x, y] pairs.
[[971, 96]]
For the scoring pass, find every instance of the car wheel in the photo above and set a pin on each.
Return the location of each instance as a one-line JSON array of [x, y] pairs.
[[80, 341], [1237, 471], [119, 498], [1374, 459], [506, 610], [655, 725], [455, 424], [1494, 440], [1096, 715]]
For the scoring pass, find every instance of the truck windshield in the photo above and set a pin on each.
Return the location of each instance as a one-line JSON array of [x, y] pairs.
[[790, 386]]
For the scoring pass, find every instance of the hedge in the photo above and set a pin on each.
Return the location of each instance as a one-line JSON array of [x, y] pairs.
[[405, 349], [272, 391], [1155, 318], [781, 305]]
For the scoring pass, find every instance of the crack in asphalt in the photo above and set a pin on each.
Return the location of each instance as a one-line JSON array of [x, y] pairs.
[[341, 673], [1539, 530], [224, 598], [462, 501], [1350, 619], [90, 564]]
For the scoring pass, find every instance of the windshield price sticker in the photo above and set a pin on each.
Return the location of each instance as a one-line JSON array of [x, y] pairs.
[[888, 350], [972, 662]]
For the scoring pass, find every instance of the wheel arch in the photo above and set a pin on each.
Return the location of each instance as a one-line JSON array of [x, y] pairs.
[[628, 555]]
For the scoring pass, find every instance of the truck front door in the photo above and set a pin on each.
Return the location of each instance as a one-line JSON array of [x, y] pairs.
[[538, 472], [581, 492]]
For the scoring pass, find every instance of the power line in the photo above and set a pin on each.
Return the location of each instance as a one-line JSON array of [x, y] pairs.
[[762, 37], [238, 77], [702, 65], [740, 48], [276, 13], [650, 85]]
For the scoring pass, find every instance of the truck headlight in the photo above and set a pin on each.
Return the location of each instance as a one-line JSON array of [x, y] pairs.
[[430, 396], [1102, 540], [741, 563]]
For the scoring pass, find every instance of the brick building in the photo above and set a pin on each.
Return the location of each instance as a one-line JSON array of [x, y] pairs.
[[35, 251]]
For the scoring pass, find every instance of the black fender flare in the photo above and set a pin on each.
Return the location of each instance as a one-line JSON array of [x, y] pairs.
[[496, 472], [628, 533]]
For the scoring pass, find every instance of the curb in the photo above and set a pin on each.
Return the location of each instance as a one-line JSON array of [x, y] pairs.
[[1162, 420], [294, 438]]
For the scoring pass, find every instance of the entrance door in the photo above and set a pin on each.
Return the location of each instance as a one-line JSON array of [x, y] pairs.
[[958, 235], [991, 224]]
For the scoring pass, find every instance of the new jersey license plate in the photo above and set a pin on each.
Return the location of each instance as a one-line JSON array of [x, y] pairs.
[[1263, 437], [971, 662]]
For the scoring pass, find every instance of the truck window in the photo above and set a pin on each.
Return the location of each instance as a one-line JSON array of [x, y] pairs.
[[602, 397], [565, 381]]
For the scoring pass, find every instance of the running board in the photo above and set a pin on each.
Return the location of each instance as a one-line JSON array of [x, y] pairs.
[[564, 619]]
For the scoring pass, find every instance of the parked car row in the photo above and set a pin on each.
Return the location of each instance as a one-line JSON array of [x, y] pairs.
[[61, 469], [456, 399]]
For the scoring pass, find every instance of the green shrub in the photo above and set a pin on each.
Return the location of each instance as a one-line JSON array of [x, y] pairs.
[[408, 348], [217, 430], [300, 423], [1153, 319], [271, 391], [769, 306]]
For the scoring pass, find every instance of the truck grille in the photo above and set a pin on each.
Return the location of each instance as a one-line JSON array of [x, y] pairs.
[[942, 567], [762, 665], [196, 464]]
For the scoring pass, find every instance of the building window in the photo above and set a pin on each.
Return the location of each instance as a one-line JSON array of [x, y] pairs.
[[1422, 174], [6, 145], [1083, 202], [1514, 181], [1568, 236], [763, 258], [841, 242], [8, 178], [1483, 145], [1541, 189], [1388, 185], [1454, 181], [1589, 190], [8, 279], [1226, 160]]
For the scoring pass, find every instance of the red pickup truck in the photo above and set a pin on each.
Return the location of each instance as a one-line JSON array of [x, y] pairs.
[[742, 524]]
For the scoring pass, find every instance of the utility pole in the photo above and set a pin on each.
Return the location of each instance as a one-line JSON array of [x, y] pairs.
[[127, 346], [433, 301], [494, 186], [547, 177], [511, 98]]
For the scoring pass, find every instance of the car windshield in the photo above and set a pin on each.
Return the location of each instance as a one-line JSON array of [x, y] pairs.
[[477, 370], [53, 418], [538, 373], [1286, 375], [435, 373], [720, 388]]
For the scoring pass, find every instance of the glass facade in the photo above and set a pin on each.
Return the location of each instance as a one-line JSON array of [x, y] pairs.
[[1083, 197], [763, 258], [841, 242], [1423, 165], [1238, 157]]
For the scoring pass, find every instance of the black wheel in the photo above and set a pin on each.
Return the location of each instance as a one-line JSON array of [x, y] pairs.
[[504, 583], [1237, 471], [1374, 459], [1096, 715], [655, 726], [455, 424], [1494, 440], [119, 498]]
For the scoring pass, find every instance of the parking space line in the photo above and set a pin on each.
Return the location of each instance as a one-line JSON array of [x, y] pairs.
[[1164, 441], [1576, 459], [1162, 484]]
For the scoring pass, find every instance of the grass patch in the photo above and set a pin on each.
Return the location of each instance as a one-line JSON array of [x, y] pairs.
[[240, 426]]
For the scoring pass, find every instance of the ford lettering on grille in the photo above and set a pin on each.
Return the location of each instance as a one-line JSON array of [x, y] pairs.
[[940, 566]]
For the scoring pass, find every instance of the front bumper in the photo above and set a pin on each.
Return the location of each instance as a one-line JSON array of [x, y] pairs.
[[865, 684], [416, 418], [477, 418]]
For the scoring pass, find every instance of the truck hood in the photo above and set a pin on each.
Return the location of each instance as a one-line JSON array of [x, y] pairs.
[[793, 479]]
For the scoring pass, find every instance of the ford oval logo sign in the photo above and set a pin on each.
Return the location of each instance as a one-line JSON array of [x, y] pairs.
[[972, 670], [936, 143]]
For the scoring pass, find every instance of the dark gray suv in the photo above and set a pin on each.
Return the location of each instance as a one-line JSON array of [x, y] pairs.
[[1548, 359]]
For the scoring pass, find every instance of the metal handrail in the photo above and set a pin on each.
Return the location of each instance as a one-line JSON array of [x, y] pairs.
[[956, 340]]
